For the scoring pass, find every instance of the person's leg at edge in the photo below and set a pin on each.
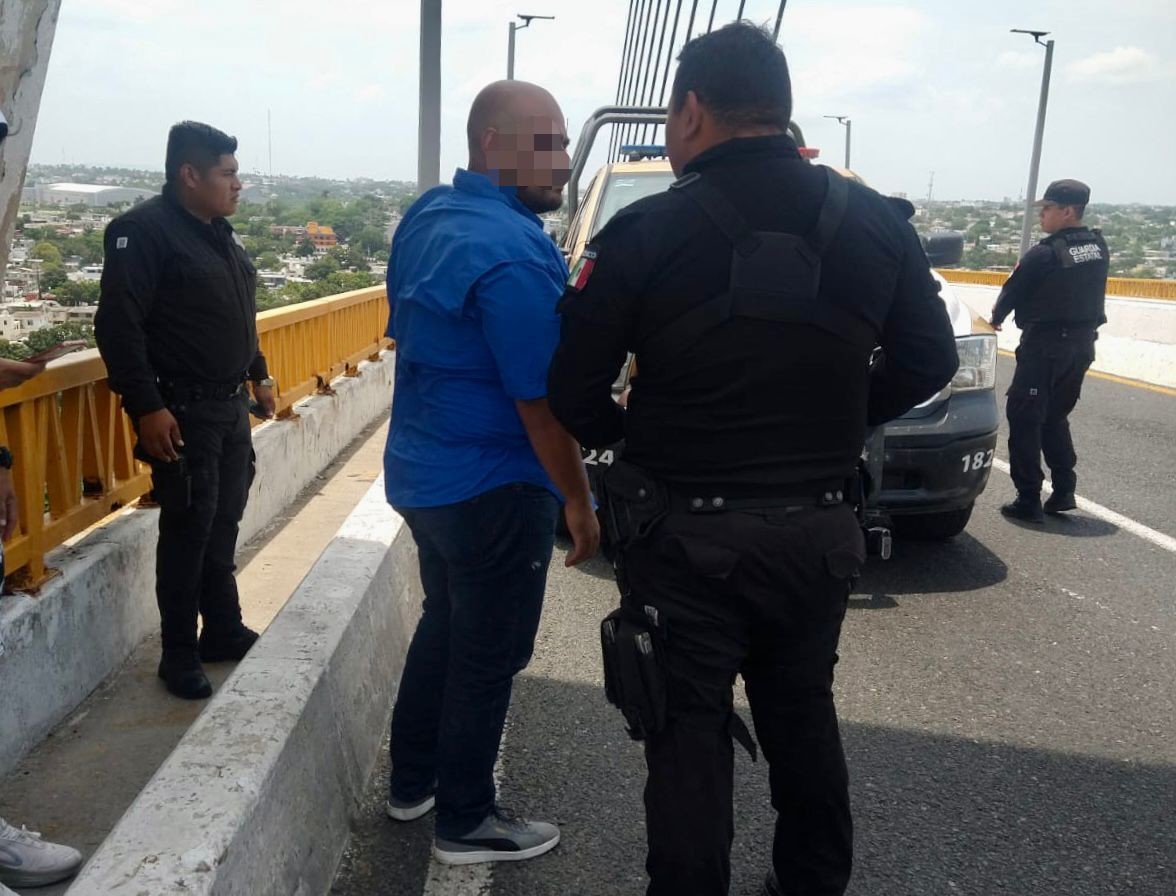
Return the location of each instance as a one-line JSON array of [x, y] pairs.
[[417, 712], [688, 792], [220, 604], [497, 549], [796, 723], [1056, 442]]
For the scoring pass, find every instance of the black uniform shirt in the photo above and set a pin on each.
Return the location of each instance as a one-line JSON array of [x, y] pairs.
[[1028, 277], [755, 405], [178, 302]]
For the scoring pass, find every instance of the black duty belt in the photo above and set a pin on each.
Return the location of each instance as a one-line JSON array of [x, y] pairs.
[[1062, 331], [196, 390], [710, 500]]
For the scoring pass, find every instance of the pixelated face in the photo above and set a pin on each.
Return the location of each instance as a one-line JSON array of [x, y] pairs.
[[532, 155], [217, 190]]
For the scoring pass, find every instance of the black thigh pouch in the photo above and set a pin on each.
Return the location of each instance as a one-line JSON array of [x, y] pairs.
[[634, 671]]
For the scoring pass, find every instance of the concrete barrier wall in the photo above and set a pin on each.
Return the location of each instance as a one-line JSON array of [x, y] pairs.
[[57, 647], [258, 797], [1138, 340]]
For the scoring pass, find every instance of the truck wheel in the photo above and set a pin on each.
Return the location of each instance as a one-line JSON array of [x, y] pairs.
[[933, 526]]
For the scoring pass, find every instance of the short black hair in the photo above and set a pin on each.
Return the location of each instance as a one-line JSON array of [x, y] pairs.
[[739, 73], [197, 144]]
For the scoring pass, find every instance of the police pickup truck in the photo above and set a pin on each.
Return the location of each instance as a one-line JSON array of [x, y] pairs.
[[926, 468]]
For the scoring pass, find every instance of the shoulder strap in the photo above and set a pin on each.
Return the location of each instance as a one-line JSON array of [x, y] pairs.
[[832, 211], [719, 209], [738, 232]]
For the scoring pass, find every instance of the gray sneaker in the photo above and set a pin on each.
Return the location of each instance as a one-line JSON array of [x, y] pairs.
[[403, 810], [28, 861], [501, 837]]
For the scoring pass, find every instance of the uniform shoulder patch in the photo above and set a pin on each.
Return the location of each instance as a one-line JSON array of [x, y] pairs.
[[121, 242], [582, 270]]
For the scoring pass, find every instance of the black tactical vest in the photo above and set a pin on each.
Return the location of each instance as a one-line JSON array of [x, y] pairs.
[[1073, 293], [774, 276]]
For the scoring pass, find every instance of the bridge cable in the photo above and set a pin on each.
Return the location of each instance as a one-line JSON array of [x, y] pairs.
[[710, 26], [655, 63], [779, 19], [661, 96], [625, 62], [642, 99], [627, 130]]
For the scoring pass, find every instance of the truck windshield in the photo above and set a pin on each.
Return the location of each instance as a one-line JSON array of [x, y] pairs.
[[625, 189]]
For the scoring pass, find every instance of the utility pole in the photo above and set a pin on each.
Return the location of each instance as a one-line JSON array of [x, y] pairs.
[[1038, 134], [429, 121], [510, 46], [841, 119], [26, 39]]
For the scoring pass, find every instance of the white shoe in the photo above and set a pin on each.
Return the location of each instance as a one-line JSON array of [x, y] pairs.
[[28, 861]]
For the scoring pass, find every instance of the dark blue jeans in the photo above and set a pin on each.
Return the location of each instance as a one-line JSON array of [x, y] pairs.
[[484, 569]]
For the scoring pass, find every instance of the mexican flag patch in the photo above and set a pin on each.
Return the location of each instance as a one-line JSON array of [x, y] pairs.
[[582, 270]]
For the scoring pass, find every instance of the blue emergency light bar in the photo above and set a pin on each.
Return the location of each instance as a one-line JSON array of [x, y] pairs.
[[637, 152]]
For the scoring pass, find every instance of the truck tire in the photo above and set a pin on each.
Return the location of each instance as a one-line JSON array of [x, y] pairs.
[[933, 526]]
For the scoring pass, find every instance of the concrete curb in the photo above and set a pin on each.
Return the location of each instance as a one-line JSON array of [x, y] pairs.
[[258, 797], [57, 647]]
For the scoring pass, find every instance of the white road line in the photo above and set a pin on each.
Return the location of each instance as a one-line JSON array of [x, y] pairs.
[[1159, 539], [465, 880]]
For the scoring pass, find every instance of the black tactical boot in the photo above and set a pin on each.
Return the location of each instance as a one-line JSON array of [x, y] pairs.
[[1026, 507], [181, 671], [1060, 502], [231, 646]]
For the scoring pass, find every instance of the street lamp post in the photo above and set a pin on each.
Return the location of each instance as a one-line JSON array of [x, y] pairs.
[[848, 130], [429, 123], [1035, 160], [510, 46]]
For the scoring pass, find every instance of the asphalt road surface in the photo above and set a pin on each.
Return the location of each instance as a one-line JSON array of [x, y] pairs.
[[1007, 703]]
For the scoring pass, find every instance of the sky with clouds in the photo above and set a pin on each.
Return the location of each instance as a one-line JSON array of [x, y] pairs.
[[931, 86]]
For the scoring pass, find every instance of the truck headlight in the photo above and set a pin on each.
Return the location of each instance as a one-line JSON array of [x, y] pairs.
[[977, 363]]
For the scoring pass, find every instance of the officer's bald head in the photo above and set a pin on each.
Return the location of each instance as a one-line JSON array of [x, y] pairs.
[[517, 137]]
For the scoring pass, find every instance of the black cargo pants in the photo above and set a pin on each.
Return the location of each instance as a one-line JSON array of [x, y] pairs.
[[1045, 388], [762, 594], [195, 563]]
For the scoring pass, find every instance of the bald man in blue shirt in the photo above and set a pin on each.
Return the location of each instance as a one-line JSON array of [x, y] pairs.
[[477, 465]]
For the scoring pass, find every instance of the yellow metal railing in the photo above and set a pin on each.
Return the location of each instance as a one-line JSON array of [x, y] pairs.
[[1126, 287], [73, 445]]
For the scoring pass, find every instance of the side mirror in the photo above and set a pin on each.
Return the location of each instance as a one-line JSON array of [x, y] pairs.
[[944, 248]]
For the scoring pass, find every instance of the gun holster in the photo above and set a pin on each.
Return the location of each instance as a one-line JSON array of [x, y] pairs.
[[634, 675], [634, 502]]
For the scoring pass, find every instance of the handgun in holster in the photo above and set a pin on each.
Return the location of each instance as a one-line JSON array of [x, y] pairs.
[[634, 676], [171, 481], [633, 502]]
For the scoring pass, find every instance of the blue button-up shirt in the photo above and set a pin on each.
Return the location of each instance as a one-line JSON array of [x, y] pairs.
[[473, 283]]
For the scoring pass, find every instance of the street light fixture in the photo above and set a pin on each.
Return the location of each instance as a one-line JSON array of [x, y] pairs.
[[841, 119], [1035, 160], [510, 47]]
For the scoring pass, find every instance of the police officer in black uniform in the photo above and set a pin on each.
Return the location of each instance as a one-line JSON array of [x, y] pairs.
[[176, 326], [753, 294], [1057, 294]]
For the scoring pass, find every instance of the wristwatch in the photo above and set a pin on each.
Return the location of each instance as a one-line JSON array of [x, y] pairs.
[[5, 458], [268, 381]]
